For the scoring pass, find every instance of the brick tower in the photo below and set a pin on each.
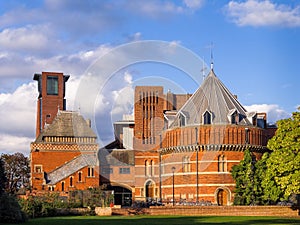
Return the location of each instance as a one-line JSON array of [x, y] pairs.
[[63, 156], [51, 88]]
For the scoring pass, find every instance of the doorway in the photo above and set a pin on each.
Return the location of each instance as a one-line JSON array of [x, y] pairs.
[[149, 190], [222, 197]]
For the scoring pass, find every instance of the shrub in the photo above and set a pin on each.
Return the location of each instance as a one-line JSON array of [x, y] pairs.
[[10, 210]]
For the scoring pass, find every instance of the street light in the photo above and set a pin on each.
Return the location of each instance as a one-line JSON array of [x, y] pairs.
[[173, 170]]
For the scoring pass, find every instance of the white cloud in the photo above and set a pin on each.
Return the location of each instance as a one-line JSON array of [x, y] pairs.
[[274, 112], [263, 13], [194, 4], [11, 144], [17, 110], [17, 119], [29, 38], [155, 8], [162, 9], [15, 66]]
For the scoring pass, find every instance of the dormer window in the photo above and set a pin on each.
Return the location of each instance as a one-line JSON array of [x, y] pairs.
[[233, 116], [207, 117], [182, 119]]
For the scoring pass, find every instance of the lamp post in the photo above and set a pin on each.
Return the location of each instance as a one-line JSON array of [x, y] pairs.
[[173, 170], [197, 162]]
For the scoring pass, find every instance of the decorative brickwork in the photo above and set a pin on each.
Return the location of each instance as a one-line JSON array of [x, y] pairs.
[[64, 155]]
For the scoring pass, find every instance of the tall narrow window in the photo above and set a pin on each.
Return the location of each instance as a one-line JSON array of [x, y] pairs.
[[90, 172], [222, 167], [52, 85], [207, 118], [148, 168], [79, 176], [186, 164], [152, 168], [63, 186], [71, 181]]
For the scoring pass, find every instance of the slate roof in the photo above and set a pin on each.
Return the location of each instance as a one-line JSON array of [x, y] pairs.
[[71, 167], [212, 96], [67, 124]]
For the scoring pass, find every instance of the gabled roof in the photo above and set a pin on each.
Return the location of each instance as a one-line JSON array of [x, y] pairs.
[[67, 124], [212, 96]]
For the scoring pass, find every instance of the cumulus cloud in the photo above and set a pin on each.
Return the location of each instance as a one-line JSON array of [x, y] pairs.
[[29, 38], [11, 144], [274, 112], [263, 13], [17, 118]]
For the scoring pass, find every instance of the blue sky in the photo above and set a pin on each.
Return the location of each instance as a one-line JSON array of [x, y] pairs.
[[256, 53]]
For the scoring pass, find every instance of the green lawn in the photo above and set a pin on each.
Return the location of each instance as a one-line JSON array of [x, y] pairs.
[[162, 220]]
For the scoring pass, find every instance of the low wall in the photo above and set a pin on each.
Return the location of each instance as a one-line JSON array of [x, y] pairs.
[[72, 211], [280, 211]]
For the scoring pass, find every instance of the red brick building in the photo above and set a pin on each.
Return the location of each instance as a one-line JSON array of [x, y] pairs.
[[184, 145], [176, 148], [63, 155]]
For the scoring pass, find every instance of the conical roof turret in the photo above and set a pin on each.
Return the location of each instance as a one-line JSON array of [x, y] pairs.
[[212, 103]]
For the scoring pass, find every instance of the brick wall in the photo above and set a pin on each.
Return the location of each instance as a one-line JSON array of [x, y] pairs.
[[281, 211]]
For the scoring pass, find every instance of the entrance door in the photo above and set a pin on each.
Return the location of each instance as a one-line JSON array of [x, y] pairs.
[[222, 197], [122, 196], [149, 190]]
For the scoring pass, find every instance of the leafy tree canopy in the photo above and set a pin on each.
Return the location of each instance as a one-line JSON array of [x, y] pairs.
[[17, 171], [282, 177]]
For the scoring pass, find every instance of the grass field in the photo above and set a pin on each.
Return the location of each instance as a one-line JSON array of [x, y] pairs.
[[162, 220]]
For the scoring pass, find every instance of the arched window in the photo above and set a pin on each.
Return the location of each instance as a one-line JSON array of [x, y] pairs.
[[222, 166], [207, 117], [71, 181], [186, 167], [148, 168], [152, 168], [80, 176], [63, 186], [91, 172]]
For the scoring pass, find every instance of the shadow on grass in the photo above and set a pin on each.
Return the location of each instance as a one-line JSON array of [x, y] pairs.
[[162, 220]]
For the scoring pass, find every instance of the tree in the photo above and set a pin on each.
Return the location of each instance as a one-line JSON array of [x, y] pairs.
[[259, 173], [282, 176], [2, 178], [17, 171], [243, 173], [10, 211]]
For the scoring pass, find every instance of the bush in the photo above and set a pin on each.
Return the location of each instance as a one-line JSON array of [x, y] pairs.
[[42, 206], [10, 210]]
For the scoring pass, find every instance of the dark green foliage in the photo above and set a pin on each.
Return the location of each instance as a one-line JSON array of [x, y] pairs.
[[47, 204], [10, 211], [2, 178], [41, 206], [282, 176], [17, 172], [276, 177], [243, 174], [97, 197]]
